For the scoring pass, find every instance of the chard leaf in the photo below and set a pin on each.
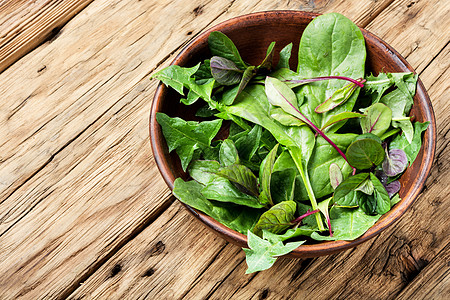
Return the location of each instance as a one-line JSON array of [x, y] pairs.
[[339, 96], [203, 171], [365, 153], [325, 51], [341, 117], [221, 189], [348, 185], [285, 56], [395, 162], [411, 149], [220, 45], [266, 170], [336, 176], [378, 119], [381, 196], [393, 188], [268, 60], [228, 154], [277, 219], [239, 218], [187, 136], [262, 253], [348, 224], [242, 176], [225, 71]]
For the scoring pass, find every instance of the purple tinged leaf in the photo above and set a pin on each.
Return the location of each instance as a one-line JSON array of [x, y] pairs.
[[393, 188], [268, 60], [299, 82], [378, 119], [341, 117], [335, 176], [395, 162], [225, 71], [339, 96]]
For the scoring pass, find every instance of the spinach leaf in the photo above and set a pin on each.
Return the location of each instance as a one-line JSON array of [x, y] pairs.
[[289, 234], [367, 203], [220, 45], [225, 71], [381, 196], [365, 153], [378, 119], [239, 218], [285, 118], [348, 185], [331, 45], [265, 174], [337, 98], [228, 154], [187, 136], [277, 219], [242, 176], [282, 185], [285, 56], [262, 253], [348, 224], [248, 144], [203, 171], [411, 149], [350, 200]]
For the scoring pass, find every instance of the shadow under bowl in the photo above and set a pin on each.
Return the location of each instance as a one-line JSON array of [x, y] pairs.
[[257, 31]]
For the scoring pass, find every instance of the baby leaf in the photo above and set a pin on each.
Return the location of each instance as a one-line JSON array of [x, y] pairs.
[[265, 172], [377, 85], [339, 96], [239, 218], [341, 117], [323, 207], [221, 189], [242, 176], [284, 118], [377, 120], [225, 71], [365, 153], [248, 144], [285, 55], [396, 199], [348, 224], [220, 45], [267, 62], [395, 162], [289, 234], [369, 136], [176, 77], [393, 188], [187, 136], [228, 153], [277, 219], [282, 185], [381, 196], [203, 171], [335, 175], [348, 185], [411, 149], [350, 200], [367, 203], [366, 187], [263, 254]]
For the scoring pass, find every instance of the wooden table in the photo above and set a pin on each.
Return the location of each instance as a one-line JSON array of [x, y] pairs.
[[84, 212]]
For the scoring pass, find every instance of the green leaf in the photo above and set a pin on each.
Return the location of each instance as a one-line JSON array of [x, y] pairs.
[[348, 224], [176, 77], [366, 187], [285, 56], [266, 169], [228, 154], [348, 185], [367, 203], [248, 144], [323, 207], [220, 45], [341, 117], [411, 149], [365, 153], [242, 176], [187, 136], [339, 96], [350, 200], [377, 85], [282, 184], [378, 119], [336, 176], [203, 171], [289, 234], [204, 71], [285, 118], [225, 71], [221, 189], [277, 219], [262, 253], [239, 218], [267, 62], [331, 45], [381, 196]]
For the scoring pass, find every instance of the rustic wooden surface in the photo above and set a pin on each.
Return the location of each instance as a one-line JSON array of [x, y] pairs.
[[84, 212]]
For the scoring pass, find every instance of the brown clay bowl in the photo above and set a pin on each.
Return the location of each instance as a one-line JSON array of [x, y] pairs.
[[256, 31]]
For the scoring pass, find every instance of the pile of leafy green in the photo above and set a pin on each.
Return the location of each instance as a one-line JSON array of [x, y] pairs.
[[313, 153]]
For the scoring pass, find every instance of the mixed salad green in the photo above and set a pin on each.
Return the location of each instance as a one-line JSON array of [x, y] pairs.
[[312, 153]]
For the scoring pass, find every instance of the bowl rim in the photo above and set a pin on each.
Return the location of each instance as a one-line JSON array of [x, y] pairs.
[[325, 247]]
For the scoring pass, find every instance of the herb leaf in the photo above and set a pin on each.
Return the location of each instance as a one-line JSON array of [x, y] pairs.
[[277, 219], [225, 71], [220, 45], [411, 149]]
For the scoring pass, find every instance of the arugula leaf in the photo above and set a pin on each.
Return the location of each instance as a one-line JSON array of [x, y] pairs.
[[411, 149], [220, 45], [239, 218], [187, 136], [277, 219], [262, 253]]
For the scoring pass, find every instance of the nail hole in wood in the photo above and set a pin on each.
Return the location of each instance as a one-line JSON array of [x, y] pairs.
[[149, 272], [117, 268]]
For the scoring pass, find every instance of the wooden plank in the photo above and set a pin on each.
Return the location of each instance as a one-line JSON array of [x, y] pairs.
[[24, 25], [434, 280]]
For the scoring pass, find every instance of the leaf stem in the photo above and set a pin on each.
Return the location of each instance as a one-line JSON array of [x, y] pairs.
[[308, 213], [359, 83]]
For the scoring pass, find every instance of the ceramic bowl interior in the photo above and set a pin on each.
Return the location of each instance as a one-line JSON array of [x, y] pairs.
[[252, 34]]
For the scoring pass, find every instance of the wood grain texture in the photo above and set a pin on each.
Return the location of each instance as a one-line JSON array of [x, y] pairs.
[[83, 208], [25, 25]]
